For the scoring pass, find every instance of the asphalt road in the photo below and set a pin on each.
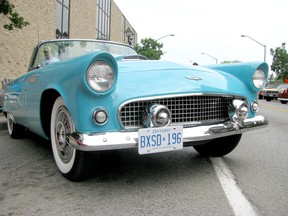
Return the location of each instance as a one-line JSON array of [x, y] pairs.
[[172, 183], [260, 162]]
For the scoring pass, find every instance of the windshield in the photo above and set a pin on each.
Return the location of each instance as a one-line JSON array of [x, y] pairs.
[[282, 86], [54, 51], [271, 85]]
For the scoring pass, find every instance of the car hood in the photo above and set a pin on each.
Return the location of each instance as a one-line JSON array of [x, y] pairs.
[[152, 78], [271, 89]]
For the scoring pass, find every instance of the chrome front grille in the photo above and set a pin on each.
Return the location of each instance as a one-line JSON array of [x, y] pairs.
[[271, 91], [196, 109]]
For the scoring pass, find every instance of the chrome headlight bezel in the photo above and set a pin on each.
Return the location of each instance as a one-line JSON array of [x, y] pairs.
[[100, 76], [259, 79]]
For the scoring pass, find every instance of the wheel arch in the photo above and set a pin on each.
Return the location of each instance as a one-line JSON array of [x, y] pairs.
[[47, 101]]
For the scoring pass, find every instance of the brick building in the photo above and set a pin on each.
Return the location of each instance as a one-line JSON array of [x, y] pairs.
[[92, 19]]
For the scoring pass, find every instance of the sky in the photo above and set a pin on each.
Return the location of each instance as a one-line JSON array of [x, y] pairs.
[[213, 27]]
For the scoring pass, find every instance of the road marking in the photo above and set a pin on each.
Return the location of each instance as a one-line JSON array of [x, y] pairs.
[[239, 203], [273, 108]]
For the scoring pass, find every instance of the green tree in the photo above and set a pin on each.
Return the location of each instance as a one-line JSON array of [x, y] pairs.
[[150, 48], [271, 78], [16, 21], [280, 61]]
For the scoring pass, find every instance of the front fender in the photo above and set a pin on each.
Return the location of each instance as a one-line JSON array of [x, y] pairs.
[[244, 71], [80, 99]]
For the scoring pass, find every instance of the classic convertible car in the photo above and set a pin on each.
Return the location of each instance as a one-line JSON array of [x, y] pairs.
[[87, 96]]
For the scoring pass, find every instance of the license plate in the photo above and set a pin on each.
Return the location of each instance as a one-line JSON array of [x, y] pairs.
[[154, 140]]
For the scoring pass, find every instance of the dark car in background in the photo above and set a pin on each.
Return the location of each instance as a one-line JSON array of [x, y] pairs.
[[283, 93]]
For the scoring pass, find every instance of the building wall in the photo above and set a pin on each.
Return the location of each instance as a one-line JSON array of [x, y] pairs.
[[16, 46], [83, 19], [116, 25]]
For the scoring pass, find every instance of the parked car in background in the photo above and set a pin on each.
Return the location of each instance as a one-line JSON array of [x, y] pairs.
[[1, 100], [283, 93], [270, 92], [100, 95], [260, 95]]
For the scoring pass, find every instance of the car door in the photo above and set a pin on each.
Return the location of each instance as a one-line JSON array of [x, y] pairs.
[[14, 96]]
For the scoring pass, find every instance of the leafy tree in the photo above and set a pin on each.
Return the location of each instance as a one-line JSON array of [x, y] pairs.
[[150, 48], [280, 62], [16, 20], [271, 78]]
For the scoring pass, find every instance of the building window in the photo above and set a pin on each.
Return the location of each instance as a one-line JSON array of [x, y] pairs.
[[62, 18], [103, 14]]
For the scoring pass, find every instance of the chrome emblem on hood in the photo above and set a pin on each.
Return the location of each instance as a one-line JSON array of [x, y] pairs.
[[194, 78]]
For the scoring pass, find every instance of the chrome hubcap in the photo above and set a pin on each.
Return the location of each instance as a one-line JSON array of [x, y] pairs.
[[62, 130]]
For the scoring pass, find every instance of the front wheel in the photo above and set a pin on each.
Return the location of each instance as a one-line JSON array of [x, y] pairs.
[[283, 102], [218, 147], [73, 164]]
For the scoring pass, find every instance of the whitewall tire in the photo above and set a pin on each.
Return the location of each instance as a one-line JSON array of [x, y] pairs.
[[15, 131], [73, 164]]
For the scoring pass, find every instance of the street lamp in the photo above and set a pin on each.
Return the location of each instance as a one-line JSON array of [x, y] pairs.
[[258, 43], [129, 35], [211, 57], [172, 35]]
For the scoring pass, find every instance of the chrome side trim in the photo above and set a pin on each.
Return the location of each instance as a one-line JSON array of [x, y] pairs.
[[194, 78], [122, 140]]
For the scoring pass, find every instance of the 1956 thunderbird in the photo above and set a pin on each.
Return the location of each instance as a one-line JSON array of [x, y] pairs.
[[87, 96]]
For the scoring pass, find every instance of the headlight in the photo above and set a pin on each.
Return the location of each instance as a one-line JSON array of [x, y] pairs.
[[100, 76], [259, 79]]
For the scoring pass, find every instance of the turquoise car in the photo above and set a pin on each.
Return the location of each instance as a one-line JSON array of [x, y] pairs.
[[88, 96]]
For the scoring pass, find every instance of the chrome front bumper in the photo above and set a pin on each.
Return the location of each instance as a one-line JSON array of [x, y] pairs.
[[282, 99], [123, 139]]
